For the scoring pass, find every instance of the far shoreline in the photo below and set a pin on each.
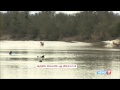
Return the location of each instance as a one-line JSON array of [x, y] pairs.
[[64, 39]]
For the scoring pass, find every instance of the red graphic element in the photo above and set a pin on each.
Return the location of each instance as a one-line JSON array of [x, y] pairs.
[[108, 72]]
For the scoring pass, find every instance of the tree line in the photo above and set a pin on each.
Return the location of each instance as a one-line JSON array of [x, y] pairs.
[[47, 25]]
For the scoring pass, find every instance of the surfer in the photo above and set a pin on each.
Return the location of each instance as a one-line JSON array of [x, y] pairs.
[[42, 43], [42, 57], [10, 52], [39, 58]]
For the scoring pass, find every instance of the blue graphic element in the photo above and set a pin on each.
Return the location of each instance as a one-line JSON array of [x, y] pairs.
[[102, 72]]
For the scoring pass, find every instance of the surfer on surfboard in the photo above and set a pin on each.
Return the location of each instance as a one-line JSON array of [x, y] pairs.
[[42, 57], [10, 52], [42, 43]]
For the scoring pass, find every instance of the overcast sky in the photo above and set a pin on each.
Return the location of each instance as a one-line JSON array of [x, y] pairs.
[[67, 12]]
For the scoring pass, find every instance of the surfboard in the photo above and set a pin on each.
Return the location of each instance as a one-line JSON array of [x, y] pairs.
[[14, 54]]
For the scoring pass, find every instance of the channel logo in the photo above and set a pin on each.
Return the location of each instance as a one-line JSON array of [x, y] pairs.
[[107, 72]]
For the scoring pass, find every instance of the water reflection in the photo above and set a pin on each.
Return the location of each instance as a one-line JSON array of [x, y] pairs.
[[18, 59], [89, 59]]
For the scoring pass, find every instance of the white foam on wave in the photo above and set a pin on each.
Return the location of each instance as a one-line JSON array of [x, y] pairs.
[[108, 44]]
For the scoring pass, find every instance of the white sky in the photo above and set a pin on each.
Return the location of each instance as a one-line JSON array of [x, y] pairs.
[[67, 12]]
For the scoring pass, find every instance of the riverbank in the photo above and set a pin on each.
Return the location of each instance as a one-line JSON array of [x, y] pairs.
[[66, 39]]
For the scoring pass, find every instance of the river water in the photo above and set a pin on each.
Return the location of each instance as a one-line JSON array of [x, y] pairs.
[[90, 58]]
